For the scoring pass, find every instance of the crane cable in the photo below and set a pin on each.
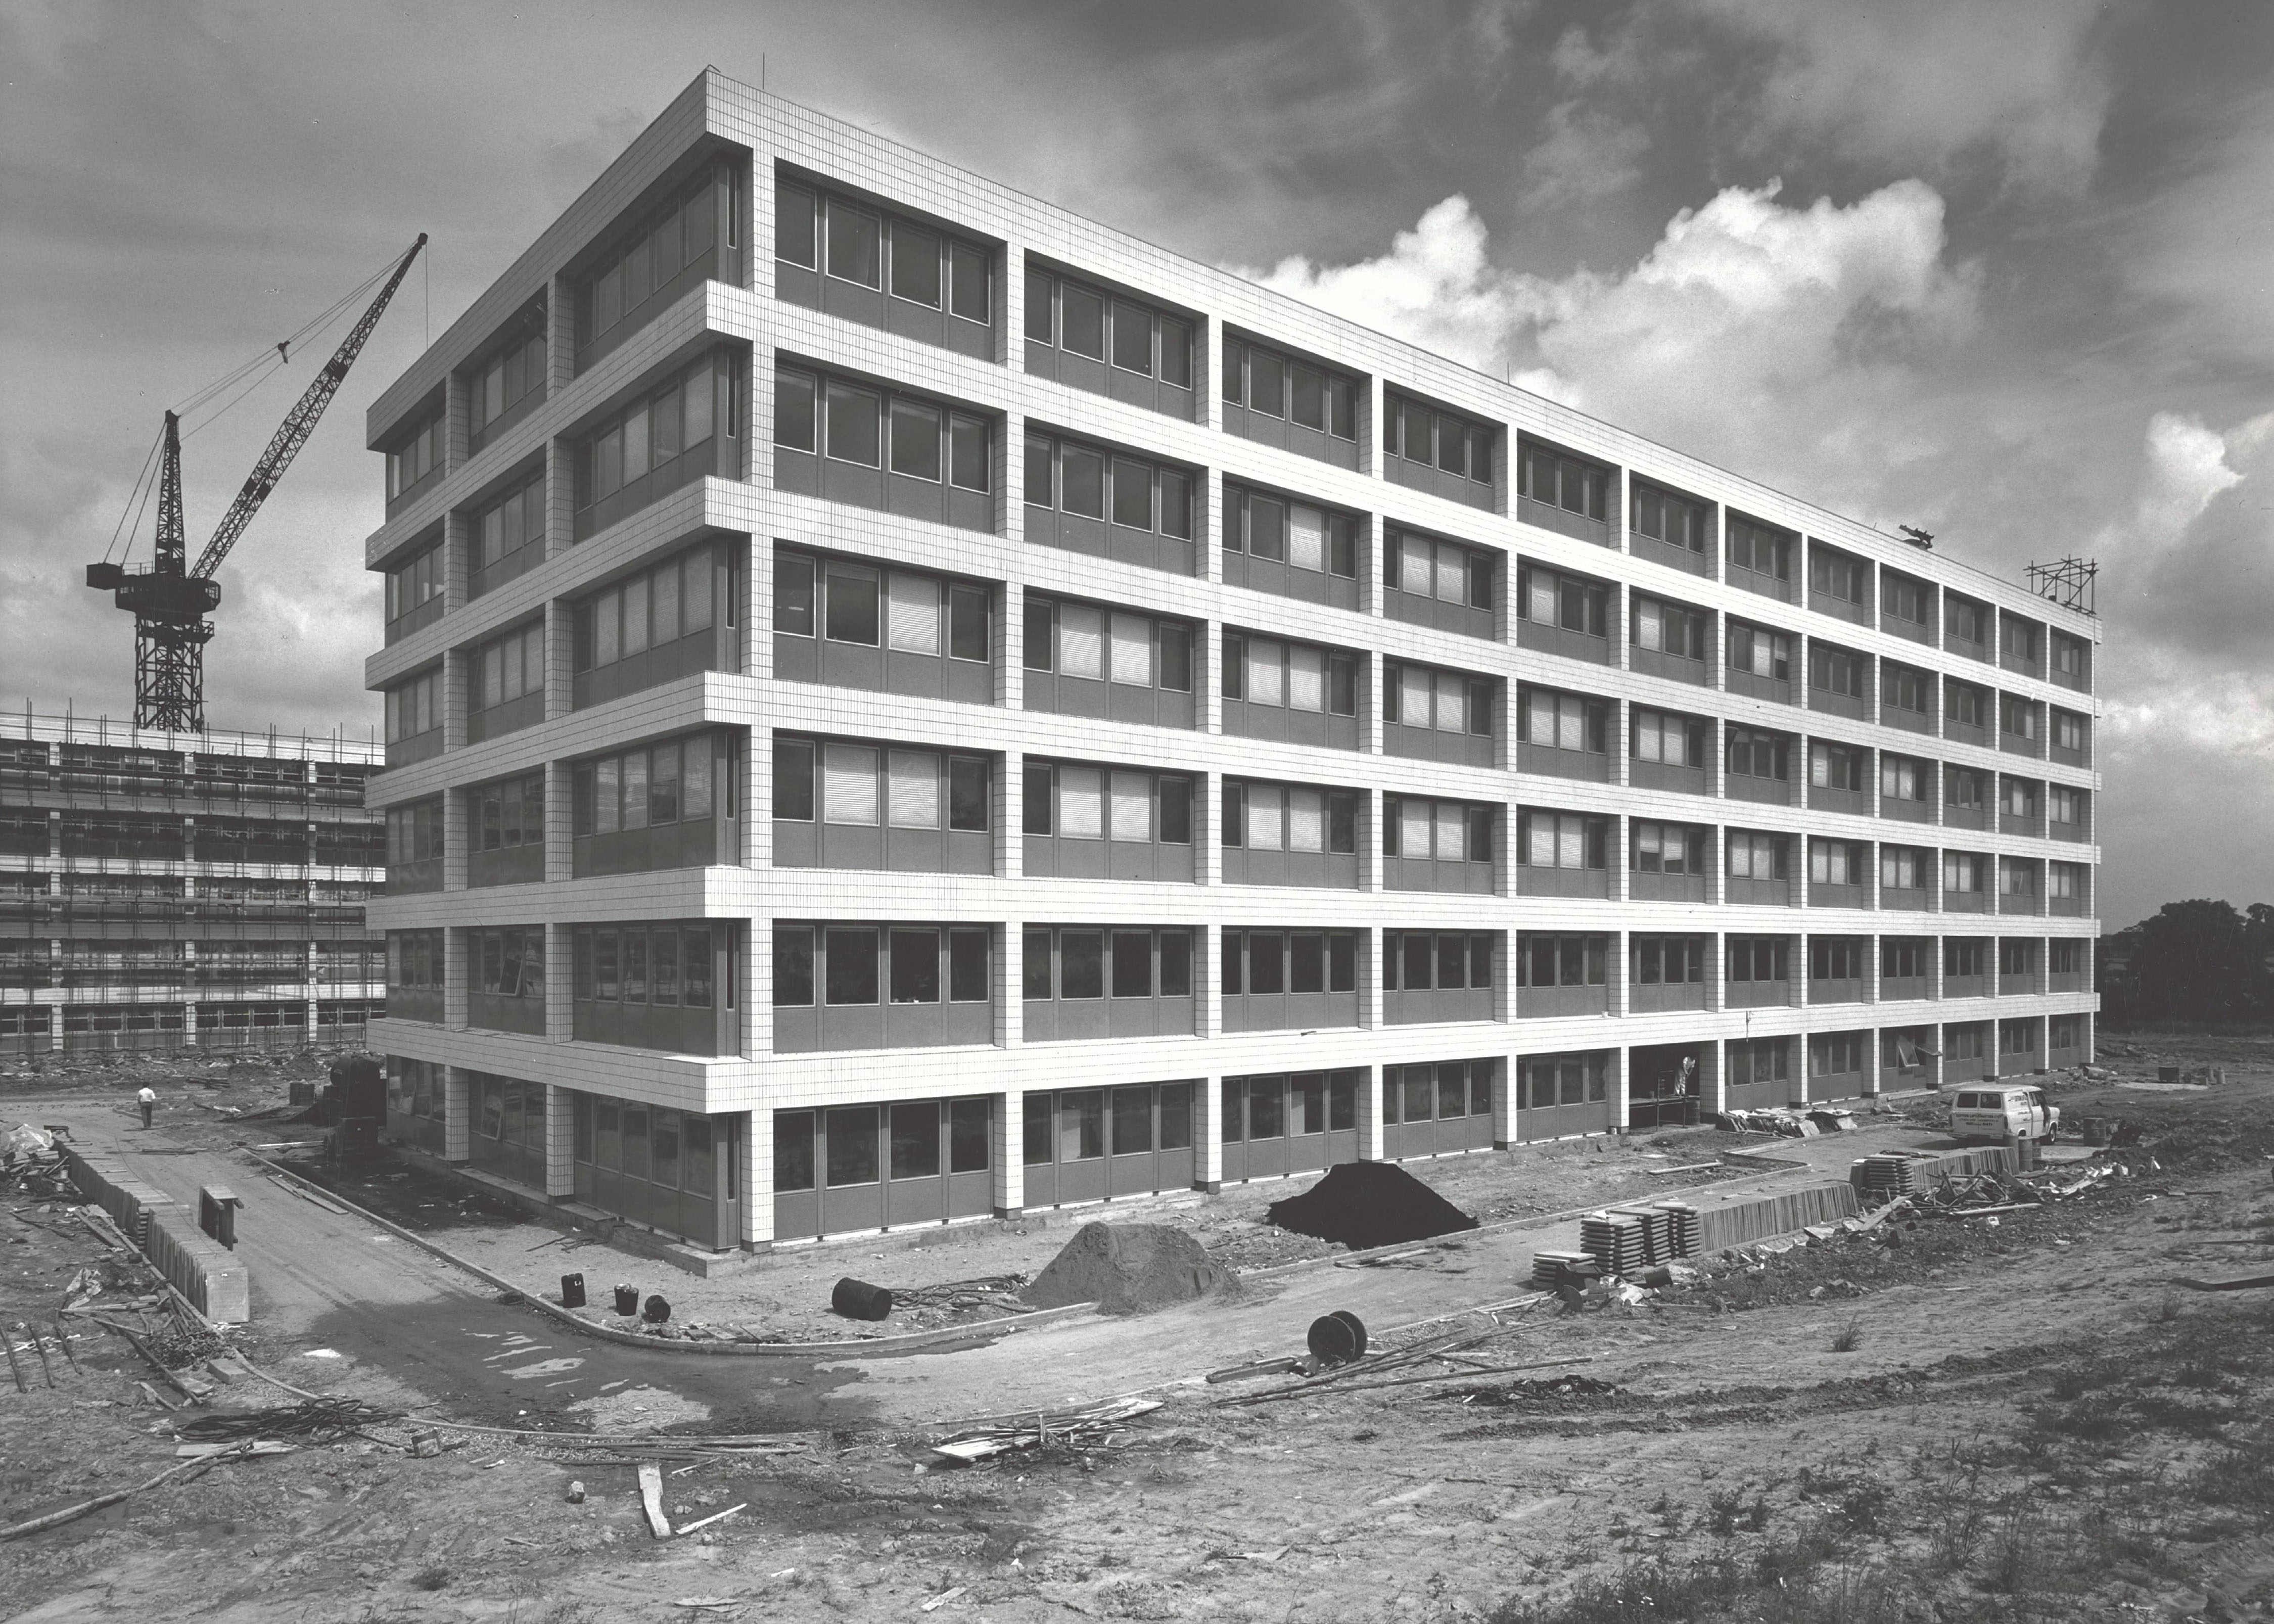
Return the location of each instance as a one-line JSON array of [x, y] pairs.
[[251, 373]]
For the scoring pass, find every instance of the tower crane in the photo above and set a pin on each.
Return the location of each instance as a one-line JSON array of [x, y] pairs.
[[172, 600]]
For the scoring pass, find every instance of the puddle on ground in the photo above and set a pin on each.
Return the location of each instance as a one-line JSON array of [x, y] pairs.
[[638, 1409]]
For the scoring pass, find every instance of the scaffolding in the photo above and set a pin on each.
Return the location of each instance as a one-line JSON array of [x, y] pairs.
[[2067, 581]]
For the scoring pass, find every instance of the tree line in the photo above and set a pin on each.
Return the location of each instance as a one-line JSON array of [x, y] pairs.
[[2194, 962]]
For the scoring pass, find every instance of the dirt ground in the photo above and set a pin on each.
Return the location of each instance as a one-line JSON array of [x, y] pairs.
[[1951, 1420]]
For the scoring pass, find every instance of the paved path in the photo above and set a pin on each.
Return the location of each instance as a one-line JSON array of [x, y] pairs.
[[426, 1333]]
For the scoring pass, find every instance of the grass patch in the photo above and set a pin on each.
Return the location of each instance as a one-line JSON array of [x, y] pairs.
[[1849, 1336]]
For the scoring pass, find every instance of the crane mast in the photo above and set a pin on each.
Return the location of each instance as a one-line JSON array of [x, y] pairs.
[[170, 601]]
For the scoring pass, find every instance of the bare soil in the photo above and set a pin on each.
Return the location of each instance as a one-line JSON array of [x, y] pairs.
[[2028, 1420]]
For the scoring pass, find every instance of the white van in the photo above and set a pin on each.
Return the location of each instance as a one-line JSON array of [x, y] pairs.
[[1995, 1115]]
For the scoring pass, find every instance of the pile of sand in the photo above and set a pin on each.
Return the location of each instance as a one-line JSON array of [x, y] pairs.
[[1126, 1269], [1363, 1204]]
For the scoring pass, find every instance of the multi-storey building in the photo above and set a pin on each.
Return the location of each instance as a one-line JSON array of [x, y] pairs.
[[904, 703], [162, 889]]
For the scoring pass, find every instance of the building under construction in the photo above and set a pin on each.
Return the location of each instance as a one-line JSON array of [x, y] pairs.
[[160, 889]]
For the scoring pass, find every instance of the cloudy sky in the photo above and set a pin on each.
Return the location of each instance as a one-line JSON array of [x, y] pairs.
[[1997, 271]]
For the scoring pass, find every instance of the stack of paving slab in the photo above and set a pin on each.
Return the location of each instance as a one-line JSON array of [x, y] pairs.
[[1743, 1220], [1881, 1178], [209, 1274]]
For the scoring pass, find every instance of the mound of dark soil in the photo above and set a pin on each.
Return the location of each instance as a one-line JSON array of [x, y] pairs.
[[1126, 1269], [1363, 1204]]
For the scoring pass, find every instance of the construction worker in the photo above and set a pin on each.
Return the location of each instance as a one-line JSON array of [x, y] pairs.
[[149, 1101]]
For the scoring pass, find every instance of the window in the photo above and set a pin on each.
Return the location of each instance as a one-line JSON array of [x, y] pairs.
[[1757, 856], [1965, 704], [411, 585], [414, 834], [1966, 619], [858, 604], [1905, 868], [1561, 839], [1561, 480], [649, 435], [1081, 640], [1762, 1060], [1965, 957], [2016, 956], [509, 376], [506, 668], [1757, 547], [1439, 961], [1297, 676], [1903, 958], [1904, 778], [1759, 652], [1087, 321], [1908, 598], [1839, 863], [1546, 960], [1671, 961], [503, 528], [2065, 958], [1273, 384], [2022, 638], [414, 959], [668, 966], [1909, 689], [1670, 848], [2020, 798], [1550, 719], [1836, 959], [1658, 514], [1091, 482], [506, 964], [1445, 701], [1277, 529], [1544, 1081], [414, 707], [2064, 806], [1442, 831], [679, 234], [1837, 574], [1838, 671], [1965, 787], [415, 459], [1427, 567], [1268, 963], [1286, 817], [870, 427], [650, 609], [1835, 1054], [675, 781], [1961, 871], [1668, 739], [1669, 628], [1759, 958], [2017, 716], [506, 814], [1072, 962], [1574, 604], [2068, 731], [1094, 803], [2017, 876], [1442, 440], [1838, 767], [1756, 755], [870, 249], [2068, 656]]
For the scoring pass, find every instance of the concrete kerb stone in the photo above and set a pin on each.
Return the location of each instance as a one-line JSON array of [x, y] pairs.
[[874, 1347]]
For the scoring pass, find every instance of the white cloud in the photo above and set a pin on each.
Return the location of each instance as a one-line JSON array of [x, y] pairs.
[[1785, 342], [1921, 84], [2185, 468]]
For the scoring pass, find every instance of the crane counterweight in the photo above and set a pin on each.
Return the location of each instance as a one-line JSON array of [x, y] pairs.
[[170, 600]]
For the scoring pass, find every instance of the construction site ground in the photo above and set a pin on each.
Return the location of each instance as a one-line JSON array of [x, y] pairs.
[[2023, 1418]]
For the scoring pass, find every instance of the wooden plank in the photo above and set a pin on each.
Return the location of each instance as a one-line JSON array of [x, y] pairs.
[[650, 1488], [2248, 1280]]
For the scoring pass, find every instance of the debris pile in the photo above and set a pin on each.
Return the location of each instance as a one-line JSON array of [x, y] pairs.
[[32, 1163], [1787, 1123], [1367, 1204], [1097, 1427], [1551, 1390], [1126, 1269]]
